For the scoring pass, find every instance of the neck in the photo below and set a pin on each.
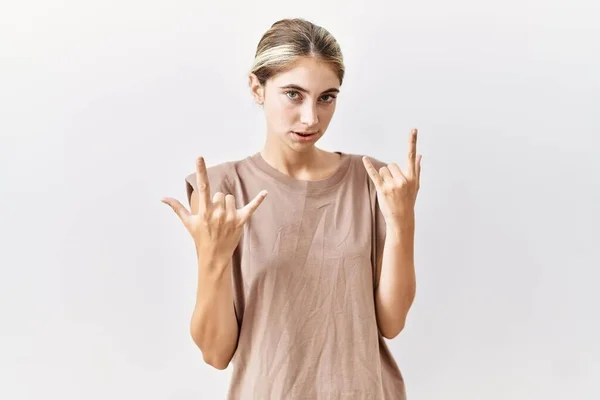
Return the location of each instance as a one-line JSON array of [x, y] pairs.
[[293, 163]]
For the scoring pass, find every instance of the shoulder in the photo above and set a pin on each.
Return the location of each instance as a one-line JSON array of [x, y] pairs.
[[217, 173], [360, 172], [357, 159], [220, 177]]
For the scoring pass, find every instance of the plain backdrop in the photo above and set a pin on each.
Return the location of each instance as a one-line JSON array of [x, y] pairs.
[[104, 105]]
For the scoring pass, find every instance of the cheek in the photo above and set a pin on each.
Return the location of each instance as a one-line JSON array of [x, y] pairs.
[[281, 113], [327, 113]]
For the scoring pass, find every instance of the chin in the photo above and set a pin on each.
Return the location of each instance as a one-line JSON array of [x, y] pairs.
[[301, 147]]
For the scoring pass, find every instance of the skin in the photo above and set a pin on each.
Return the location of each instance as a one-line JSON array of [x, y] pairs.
[[216, 226], [299, 99], [396, 194]]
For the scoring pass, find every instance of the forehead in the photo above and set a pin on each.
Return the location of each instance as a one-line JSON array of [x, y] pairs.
[[309, 73]]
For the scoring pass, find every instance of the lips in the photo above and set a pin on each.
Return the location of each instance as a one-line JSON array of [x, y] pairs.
[[305, 133]]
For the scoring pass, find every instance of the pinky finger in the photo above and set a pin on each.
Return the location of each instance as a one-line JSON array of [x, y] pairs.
[[372, 172], [246, 212]]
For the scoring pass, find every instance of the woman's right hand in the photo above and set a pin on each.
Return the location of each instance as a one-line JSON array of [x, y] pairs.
[[217, 225]]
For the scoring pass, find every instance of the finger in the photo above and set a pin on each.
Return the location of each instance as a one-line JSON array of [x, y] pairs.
[[249, 209], [396, 172], [418, 167], [218, 200], [386, 174], [372, 172], [217, 210], [203, 185], [179, 209], [412, 152], [230, 205]]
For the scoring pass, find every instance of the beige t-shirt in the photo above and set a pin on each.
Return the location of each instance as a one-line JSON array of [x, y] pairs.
[[304, 276]]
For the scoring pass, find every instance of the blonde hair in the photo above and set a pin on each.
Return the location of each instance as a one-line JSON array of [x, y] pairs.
[[290, 39]]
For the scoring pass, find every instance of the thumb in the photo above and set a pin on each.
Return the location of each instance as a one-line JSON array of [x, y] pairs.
[[176, 206]]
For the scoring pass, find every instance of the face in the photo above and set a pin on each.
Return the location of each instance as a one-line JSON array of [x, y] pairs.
[[298, 103]]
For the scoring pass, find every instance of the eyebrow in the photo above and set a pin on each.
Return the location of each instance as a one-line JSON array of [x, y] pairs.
[[301, 89]]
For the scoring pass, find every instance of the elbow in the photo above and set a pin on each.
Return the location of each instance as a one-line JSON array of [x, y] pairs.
[[392, 331], [215, 361], [210, 354], [392, 321]]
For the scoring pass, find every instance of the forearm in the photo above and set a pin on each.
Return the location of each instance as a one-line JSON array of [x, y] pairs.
[[214, 326], [397, 283]]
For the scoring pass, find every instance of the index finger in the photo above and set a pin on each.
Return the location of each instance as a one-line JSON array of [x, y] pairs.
[[412, 151], [202, 184]]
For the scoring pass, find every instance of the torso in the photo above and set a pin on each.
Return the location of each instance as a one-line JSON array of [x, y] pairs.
[[303, 284]]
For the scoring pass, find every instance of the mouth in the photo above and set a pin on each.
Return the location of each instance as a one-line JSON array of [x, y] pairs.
[[305, 134]]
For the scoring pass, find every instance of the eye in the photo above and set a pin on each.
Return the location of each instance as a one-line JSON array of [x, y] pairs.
[[292, 94], [328, 98]]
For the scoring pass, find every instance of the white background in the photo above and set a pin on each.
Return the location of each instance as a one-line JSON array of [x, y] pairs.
[[105, 105]]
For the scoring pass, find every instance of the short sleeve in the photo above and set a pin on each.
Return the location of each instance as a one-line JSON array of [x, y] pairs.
[[219, 180], [378, 230]]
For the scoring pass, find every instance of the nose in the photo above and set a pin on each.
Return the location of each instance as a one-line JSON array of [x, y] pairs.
[[309, 115]]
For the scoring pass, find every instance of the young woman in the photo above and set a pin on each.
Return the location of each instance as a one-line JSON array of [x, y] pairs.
[[298, 289]]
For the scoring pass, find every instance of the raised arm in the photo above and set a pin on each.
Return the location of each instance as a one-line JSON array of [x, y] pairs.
[[215, 225]]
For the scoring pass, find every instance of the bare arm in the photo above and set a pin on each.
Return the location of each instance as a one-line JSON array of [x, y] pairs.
[[214, 326], [396, 193], [397, 284], [216, 227]]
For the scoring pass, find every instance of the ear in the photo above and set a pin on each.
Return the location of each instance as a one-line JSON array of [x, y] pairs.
[[257, 90]]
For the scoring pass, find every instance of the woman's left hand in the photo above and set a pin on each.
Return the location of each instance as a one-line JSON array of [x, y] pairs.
[[397, 190]]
